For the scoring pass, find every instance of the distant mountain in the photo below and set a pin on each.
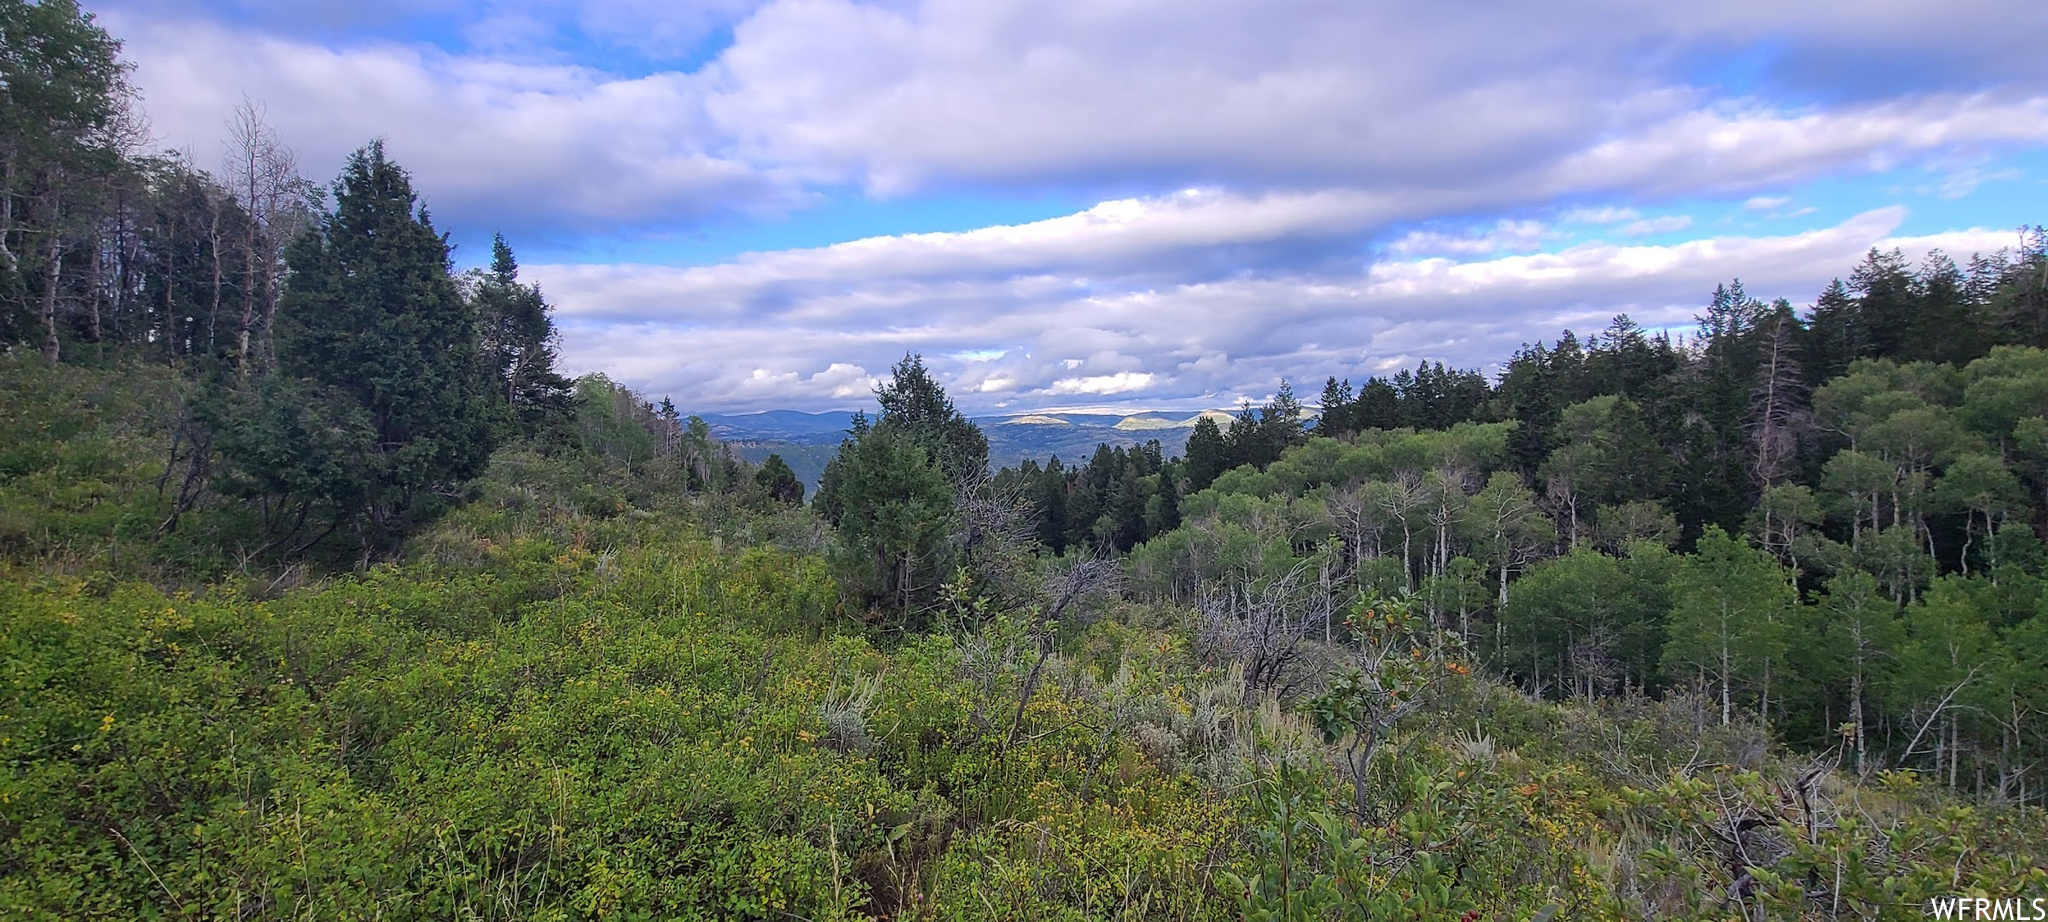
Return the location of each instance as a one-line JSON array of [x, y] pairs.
[[780, 426], [808, 440], [806, 461], [1072, 437]]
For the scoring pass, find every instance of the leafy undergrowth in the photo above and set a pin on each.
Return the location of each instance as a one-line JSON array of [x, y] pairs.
[[675, 729], [665, 731], [90, 476]]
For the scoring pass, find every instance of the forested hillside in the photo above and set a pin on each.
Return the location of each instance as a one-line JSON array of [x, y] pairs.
[[324, 595], [1831, 519]]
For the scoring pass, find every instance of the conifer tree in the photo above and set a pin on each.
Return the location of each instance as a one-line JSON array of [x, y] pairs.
[[1378, 406], [371, 314], [1334, 419], [1835, 336], [1050, 495], [915, 403], [779, 482], [1206, 454], [894, 509], [893, 490], [517, 341]]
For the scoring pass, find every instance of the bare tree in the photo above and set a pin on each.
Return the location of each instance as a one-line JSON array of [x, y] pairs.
[[1445, 491], [264, 175], [1066, 589], [1780, 412], [1399, 499], [995, 532], [1265, 625], [1355, 515]]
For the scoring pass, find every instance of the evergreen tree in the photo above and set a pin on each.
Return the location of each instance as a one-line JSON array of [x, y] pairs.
[[371, 312], [779, 482], [1378, 406], [1335, 414], [1946, 327], [1126, 512], [517, 339], [1049, 495], [895, 509], [1280, 424], [1529, 394], [1835, 336], [915, 403], [1624, 360], [1885, 303], [1243, 442], [892, 489], [1162, 511], [1207, 455]]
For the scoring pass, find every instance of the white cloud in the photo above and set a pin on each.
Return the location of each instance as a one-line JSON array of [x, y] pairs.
[[1659, 225], [485, 139], [1122, 382], [1711, 150], [901, 95], [1188, 342], [1391, 105], [1602, 215], [1504, 237], [1058, 255], [1962, 182], [1296, 135]]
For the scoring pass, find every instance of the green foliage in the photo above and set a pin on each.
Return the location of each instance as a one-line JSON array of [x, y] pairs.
[[1206, 454], [625, 677], [1730, 619], [779, 482], [573, 704], [1444, 857], [608, 425], [1586, 623], [83, 476], [63, 96], [516, 342], [896, 510], [894, 492], [370, 313], [915, 403]]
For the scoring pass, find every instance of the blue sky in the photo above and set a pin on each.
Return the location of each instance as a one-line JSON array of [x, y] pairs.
[[1146, 204]]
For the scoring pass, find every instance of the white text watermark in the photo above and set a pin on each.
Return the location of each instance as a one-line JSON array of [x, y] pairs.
[[1978, 907]]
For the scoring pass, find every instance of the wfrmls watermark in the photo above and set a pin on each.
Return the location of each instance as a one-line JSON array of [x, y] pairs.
[[1978, 907]]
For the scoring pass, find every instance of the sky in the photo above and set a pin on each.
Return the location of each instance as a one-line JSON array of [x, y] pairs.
[[1131, 204]]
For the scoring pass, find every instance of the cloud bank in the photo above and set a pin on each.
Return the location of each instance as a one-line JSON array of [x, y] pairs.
[[1293, 189]]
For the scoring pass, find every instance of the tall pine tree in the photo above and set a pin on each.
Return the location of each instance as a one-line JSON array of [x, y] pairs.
[[517, 339], [371, 315]]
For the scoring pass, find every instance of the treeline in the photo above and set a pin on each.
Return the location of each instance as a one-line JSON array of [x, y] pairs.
[[105, 244], [1830, 518], [341, 381], [1700, 427]]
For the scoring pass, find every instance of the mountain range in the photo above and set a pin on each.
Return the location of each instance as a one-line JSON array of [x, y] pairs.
[[808, 440]]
